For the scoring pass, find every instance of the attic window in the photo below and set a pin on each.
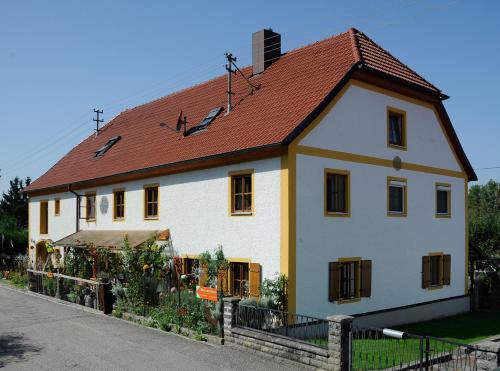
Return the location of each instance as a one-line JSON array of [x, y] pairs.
[[206, 121], [105, 148]]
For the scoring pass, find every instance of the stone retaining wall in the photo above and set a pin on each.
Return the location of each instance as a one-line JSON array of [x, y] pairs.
[[284, 349]]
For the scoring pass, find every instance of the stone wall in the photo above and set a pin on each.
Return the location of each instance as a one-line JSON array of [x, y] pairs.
[[284, 349]]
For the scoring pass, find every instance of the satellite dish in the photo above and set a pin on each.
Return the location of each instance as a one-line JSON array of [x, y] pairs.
[[104, 205]]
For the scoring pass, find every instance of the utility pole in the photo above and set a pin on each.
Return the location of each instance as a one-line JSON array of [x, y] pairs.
[[97, 120], [230, 71]]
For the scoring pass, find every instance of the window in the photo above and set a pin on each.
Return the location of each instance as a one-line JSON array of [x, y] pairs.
[[241, 202], [436, 270], [396, 196], [349, 279], [57, 207], [105, 148], [443, 200], [189, 265], [119, 204], [90, 206], [239, 281], [337, 195], [44, 217], [396, 128], [151, 202]]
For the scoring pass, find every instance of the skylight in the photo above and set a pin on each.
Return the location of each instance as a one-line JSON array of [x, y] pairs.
[[206, 121], [105, 148]]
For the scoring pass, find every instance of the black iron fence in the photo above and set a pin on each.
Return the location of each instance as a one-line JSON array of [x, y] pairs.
[[386, 349], [92, 294], [298, 327]]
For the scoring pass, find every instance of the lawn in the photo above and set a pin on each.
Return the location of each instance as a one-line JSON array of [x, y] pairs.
[[370, 352]]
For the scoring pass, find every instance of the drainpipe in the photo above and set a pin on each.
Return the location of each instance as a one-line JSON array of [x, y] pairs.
[[78, 201]]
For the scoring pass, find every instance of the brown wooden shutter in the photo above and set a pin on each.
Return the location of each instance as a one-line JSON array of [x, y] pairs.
[[446, 269], [333, 281], [203, 275], [222, 281], [254, 278], [426, 272], [366, 279]]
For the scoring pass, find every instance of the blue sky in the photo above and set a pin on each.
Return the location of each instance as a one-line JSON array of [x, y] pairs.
[[60, 59]]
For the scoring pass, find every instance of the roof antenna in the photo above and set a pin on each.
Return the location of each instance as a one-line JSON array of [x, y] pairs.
[[231, 63], [230, 71], [97, 120]]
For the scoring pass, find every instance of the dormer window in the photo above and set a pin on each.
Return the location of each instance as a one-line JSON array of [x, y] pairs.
[[105, 148], [396, 128], [206, 121]]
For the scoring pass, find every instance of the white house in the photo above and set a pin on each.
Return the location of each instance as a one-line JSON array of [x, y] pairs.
[[335, 164]]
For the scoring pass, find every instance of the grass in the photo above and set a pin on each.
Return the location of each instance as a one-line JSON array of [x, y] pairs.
[[369, 353]]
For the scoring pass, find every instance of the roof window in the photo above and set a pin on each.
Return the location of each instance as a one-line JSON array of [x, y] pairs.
[[206, 121], [105, 148]]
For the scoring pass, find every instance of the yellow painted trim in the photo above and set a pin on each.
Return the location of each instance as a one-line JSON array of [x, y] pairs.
[[29, 229], [347, 173], [405, 197], [56, 212], [230, 192], [144, 208], [115, 219], [404, 130], [362, 159], [239, 260], [289, 265], [466, 207], [349, 301], [285, 220], [351, 259], [448, 214], [431, 106], [190, 256]]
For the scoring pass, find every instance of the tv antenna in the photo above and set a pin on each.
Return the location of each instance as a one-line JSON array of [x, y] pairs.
[[97, 120]]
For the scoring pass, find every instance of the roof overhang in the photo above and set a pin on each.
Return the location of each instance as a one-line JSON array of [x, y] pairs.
[[111, 239]]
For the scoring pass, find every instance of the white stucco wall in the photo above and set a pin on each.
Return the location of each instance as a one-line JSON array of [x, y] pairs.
[[358, 124], [194, 206]]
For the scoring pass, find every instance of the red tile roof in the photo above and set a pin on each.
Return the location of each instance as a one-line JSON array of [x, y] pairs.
[[290, 89]]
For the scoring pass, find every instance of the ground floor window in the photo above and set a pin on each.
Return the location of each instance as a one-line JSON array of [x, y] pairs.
[[239, 279], [189, 266], [349, 279], [436, 270]]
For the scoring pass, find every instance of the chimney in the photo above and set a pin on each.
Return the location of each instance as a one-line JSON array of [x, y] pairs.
[[266, 48]]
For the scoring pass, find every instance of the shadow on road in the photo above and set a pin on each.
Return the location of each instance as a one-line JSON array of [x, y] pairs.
[[14, 347]]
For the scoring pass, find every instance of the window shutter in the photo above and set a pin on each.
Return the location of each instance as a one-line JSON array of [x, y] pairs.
[[334, 281], [426, 272], [203, 275], [446, 269], [254, 278], [222, 281], [366, 278]]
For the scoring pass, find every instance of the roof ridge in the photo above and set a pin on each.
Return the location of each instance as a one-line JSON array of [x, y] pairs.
[[353, 32], [383, 50]]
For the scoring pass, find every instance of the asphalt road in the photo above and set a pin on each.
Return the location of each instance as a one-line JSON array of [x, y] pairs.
[[36, 334]]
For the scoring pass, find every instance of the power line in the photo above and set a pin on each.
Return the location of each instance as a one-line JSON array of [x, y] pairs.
[[488, 168]]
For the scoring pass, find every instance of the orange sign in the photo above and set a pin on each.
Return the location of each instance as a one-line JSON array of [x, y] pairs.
[[207, 293]]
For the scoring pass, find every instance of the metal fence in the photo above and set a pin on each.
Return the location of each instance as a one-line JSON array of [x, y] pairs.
[[92, 294], [298, 327], [386, 349]]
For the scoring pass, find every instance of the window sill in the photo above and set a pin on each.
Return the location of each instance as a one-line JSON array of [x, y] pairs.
[[151, 218], [90, 220], [348, 301], [242, 214], [337, 215], [395, 146], [396, 214], [118, 219], [443, 215], [432, 288]]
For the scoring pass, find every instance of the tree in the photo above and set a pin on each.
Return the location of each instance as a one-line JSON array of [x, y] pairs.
[[484, 217], [14, 203]]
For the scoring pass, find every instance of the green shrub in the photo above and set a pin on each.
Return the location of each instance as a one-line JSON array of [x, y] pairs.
[[18, 279]]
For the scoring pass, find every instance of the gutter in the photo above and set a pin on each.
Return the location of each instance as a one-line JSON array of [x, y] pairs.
[[78, 202]]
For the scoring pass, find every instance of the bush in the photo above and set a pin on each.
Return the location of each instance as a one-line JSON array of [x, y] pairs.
[[18, 279]]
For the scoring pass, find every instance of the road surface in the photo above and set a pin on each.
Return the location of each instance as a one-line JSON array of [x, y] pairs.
[[36, 334]]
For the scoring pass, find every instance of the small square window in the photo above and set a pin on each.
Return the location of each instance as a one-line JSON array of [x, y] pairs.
[[241, 193], [396, 129], [337, 192], [443, 200], [397, 197]]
